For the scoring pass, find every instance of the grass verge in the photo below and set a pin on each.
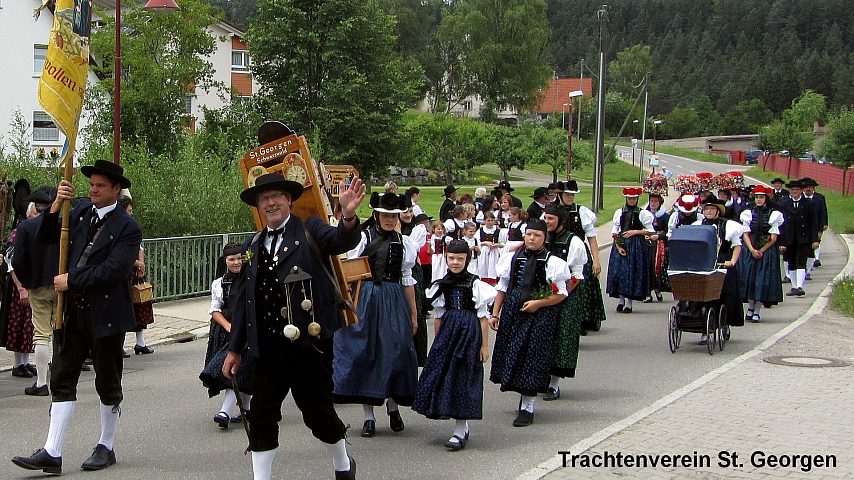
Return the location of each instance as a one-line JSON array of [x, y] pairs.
[[843, 296], [683, 152]]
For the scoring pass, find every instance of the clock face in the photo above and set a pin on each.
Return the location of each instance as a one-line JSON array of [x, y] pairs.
[[297, 174]]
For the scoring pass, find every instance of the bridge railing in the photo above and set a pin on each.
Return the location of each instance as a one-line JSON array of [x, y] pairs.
[[182, 267]]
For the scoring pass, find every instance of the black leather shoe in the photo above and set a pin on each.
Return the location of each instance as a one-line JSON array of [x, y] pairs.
[[627, 310], [659, 297], [369, 429], [40, 460], [37, 391], [125, 354], [459, 444], [801, 292], [349, 474], [85, 368], [620, 307], [143, 350], [102, 457], [32, 369], [222, 420], [395, 421], [22, 371], [553, 394], [524, 419], [817, 263], [793, 292]]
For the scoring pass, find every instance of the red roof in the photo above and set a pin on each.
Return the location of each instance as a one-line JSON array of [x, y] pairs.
[[557, 91]]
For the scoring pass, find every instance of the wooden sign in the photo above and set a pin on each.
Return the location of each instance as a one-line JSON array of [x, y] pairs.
[[290, 157]]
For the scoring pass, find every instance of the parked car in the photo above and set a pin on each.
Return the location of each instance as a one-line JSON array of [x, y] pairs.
[[751, 157], [807, 157]]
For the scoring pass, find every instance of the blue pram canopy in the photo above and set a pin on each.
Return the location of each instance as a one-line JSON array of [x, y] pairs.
[[693, 248]]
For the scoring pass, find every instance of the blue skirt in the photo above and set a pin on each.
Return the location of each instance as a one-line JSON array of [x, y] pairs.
[[451, 384], [760, 279], [629, 276], [211, 375], [375, 359], [524, 347]]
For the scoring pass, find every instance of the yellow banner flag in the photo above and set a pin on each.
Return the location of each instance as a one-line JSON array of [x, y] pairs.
[[66, 67]]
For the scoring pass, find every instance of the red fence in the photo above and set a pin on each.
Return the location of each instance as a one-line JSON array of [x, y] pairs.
[[828, 176]]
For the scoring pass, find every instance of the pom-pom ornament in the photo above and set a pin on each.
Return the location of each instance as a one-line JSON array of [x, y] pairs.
[[305, 304], [314, 329], [292, 332]]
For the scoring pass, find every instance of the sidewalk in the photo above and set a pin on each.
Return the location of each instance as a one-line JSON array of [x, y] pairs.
[[800, 417]]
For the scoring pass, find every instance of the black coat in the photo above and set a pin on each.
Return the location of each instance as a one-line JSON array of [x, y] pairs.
[[819, 204], [446, 211], [35, 263], [104, 278], [799, 225], [515, 202], [293, 251], [535, 210]]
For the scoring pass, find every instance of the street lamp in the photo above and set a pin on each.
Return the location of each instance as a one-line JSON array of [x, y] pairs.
[[151, 6], [563, 117], [572, 94], [655, 124]]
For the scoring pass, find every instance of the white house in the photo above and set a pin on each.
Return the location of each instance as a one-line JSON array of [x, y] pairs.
[[27, 40]]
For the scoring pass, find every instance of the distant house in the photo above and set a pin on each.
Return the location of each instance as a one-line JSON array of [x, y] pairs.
[[23, 65]]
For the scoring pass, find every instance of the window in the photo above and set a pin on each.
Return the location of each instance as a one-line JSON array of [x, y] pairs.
[[188, 104], [44, 130], [467, 105], [39, 54], [239, 61]]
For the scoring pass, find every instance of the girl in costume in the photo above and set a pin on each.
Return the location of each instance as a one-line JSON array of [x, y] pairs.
[[490, 249], [456, 225], [567, 246], [684, 213], [436, 247], [416, 230], [218, 338], [474, 245], [628, 277], [531, 284], [375, 359], [451, 385], [759, 266], [658, 248], [502, 216]]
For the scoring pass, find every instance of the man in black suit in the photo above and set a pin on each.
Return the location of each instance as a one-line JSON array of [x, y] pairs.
[[104, 243], [798, 235], [779, 192], [505, 188], [446, 211], [820, 205], [35, 264], [291, 347], [537, 207]]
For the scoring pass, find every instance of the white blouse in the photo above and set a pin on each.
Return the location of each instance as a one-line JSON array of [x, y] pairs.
[[775, 219], [410, 254], [483, 295], [588, 221], [418, 236], [557, 272], [576, 258], [732, 233], [217, 301], [646, 218]]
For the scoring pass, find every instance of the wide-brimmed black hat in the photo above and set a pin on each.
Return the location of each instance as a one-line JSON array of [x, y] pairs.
[[540, 192], [777, 179], [505, 185], [570, 186], [795, 184], [271, 181], [42, 195], [449, 190], [389, 203], [109, 169], [712, 200], [808, 182]]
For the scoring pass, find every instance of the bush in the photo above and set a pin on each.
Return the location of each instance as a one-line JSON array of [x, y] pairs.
[[843, 296]]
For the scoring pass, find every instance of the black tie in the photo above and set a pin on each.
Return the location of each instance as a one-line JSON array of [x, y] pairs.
[[94, 218], [274, 238], [796, 205]]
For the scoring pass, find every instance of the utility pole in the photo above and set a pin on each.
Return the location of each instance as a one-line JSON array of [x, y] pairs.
[[643, 132], [604, 16], [580, 87]]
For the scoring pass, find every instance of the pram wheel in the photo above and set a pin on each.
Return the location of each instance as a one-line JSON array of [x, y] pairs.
[[711, 329], [723, 328], [673, 333]]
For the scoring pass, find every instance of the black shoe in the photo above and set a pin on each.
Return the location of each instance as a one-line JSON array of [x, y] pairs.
[[369, 428], [524, 419], [754, 318], [349, 474], [37, 391], [22, 371], [32, 369], [143, 350], [792, 293], [659, 297], [787, 280], [40, 460], [238, 419], [817, 263], [583, 332], [553, 394], [620, 307], [648, 299], [222, 420], [85, 368], [627, 310], [808, 277], [395, 421], [102, 457], [125, 354], [459, 444], [801, 292]]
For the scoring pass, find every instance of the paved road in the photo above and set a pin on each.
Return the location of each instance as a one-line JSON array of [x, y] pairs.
[[167, 431]]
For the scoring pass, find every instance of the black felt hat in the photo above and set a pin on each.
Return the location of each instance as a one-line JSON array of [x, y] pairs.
[[109, 169], [389, 203], [449, 190], [777, 180], [570, 186], [267, 182], [712, 200], [42, 195], [808, 182], [540, 192], [795, 184], [505, 185]]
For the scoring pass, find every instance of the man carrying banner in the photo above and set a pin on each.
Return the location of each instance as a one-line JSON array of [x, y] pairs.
[[97, 312], [286, 329]]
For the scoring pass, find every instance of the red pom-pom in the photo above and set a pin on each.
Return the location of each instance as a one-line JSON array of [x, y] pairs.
[[554, 289]]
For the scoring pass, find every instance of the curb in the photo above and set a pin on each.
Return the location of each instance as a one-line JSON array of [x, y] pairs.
[[818, 306]]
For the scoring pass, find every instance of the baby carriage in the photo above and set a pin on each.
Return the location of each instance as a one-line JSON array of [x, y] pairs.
[[697, 282]]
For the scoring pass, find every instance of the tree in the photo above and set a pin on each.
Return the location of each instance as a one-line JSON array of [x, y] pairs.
[[548, 146], [164, 57], [808, 108], [626, 72], [748, 116], [839, 141], [509, 148], [503, 44], [680, 123], [780, 136], [328, 68]]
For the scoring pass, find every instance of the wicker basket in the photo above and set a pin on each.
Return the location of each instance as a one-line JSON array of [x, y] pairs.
[[141, 292], [697, 287]]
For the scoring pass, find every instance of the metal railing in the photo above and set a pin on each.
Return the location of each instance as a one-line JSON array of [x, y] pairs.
[[181, 267]]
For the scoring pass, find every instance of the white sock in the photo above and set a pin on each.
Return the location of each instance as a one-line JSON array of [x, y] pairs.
[[340, 460], [109, 422], [810, 261], [19, 359], [25, 358], [391, 406], [369, 412], [461, 428], [228, 401], [60, 417], [44, 354], [751, 305], [140, 338], [554, 381], [262, 464], [622, 300], [818, 253], [247, 400], [527, 403], [758, 307], [629, 303], [801, 276]]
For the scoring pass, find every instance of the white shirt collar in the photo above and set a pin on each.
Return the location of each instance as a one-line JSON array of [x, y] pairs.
[[280, 226], [103, 211]]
